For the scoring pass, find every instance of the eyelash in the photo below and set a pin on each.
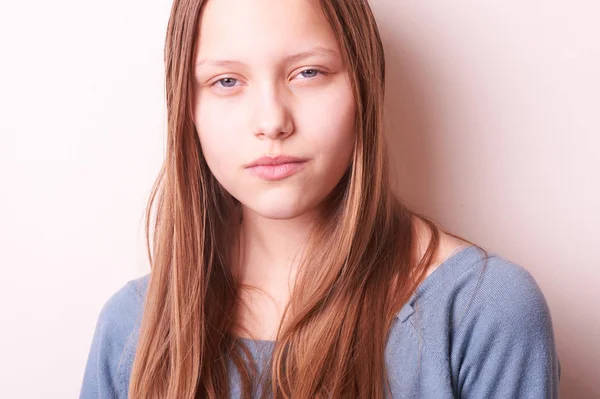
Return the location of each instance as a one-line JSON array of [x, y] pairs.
[[306, 70]]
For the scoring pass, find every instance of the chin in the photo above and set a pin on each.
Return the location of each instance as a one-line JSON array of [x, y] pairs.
[[278, 211], [280, 207]]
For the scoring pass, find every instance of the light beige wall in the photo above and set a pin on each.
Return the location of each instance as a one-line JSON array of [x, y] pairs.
[[495, 119]]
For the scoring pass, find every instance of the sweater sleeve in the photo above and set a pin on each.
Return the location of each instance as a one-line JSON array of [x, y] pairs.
[[504, 346], [113, 328]]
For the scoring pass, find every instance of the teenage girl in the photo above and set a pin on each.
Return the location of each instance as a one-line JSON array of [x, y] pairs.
[[282, 265]]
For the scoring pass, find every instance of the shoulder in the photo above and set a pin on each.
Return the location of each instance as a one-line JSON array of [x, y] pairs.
[[496, 291], [123, 308], [487, 319], [475, 289], [479, 322], [506, 331], [473, 281], [114, 341]]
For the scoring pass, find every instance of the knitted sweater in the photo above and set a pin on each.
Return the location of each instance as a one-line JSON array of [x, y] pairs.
[[475, 332]]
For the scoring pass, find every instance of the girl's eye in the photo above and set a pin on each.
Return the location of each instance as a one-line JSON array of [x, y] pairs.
[[226, 82], [310, 73]]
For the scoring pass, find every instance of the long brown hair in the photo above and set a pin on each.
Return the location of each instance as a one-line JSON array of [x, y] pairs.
[[332, 338]]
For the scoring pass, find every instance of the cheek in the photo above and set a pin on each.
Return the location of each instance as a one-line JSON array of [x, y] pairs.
[[215, 129], [214, 145], [330, 126]]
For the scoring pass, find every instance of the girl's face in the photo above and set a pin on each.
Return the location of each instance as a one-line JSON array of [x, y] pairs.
[[269, 81]]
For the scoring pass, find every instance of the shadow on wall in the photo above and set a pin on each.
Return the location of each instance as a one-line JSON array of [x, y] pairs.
[[414, 138], [408, 123]]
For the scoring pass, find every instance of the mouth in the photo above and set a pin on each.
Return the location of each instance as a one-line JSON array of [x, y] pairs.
[[276, 168]]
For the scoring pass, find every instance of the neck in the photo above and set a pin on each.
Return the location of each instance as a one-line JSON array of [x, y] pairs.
[[271, 248]]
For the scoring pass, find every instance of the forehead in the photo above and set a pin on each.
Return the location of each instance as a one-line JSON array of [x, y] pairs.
[[262, 29]]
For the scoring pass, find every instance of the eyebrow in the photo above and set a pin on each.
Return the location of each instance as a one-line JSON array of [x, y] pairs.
[[290, 58]]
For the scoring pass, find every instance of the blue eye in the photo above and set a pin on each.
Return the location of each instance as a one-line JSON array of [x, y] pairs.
[[227, 82], [311, 72]]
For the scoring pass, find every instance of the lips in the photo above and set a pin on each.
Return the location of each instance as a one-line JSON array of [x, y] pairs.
[[276, 168], [277, 160]]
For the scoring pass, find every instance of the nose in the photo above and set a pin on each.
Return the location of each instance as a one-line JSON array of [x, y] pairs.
[[273, 116]]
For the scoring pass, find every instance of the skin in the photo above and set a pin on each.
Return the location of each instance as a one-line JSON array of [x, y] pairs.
[[266, 103]]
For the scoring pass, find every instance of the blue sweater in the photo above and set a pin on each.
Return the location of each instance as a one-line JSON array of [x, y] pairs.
[[479, 333]]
